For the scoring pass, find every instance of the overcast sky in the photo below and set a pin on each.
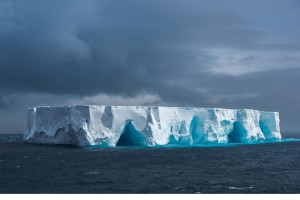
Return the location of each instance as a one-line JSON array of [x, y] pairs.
[[214, 53]]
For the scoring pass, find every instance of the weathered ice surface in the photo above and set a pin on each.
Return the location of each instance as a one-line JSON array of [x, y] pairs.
[[148, 125]]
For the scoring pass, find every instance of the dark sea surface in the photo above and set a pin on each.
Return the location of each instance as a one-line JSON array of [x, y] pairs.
[[256, 168]]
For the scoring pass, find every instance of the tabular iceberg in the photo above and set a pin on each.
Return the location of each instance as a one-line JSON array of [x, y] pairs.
[[111, 126]]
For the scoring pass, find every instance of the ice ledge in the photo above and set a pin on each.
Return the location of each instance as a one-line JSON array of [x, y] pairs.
[[148, 125]]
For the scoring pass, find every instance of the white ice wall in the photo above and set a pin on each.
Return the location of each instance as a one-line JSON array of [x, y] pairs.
[[151, 125]]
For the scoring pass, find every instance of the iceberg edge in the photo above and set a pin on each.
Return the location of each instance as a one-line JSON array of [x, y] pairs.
[[110, 126]]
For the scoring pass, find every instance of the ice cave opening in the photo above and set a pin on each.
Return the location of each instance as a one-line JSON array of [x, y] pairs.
[[130, 136]]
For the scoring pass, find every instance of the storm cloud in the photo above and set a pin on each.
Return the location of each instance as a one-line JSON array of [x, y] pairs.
[[232, 54]]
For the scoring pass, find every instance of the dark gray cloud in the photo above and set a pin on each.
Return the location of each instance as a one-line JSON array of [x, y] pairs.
[[198, 53], [6, 102]]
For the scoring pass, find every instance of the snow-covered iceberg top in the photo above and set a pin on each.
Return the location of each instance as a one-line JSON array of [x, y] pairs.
[[148, 125]]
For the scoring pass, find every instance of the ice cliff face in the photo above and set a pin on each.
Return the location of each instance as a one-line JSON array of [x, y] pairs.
[[148, 125]]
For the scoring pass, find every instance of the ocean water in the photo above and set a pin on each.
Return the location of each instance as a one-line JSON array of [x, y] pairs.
[[256, 168]]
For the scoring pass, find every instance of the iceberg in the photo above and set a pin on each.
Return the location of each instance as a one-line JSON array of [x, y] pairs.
[[111, 126]]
